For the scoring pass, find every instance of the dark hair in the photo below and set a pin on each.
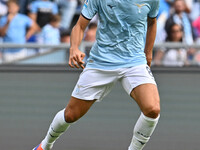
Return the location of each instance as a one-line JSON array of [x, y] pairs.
[[177, 0], [13, 1], [169, 30], [92, 25], [64, 33], [55, 18]]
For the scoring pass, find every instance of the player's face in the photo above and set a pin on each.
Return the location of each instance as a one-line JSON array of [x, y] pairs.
[[13, 8]]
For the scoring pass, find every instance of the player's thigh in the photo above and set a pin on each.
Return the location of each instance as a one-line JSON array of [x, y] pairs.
[[140, 84], [147, 97], [76, 108], [94, 84]]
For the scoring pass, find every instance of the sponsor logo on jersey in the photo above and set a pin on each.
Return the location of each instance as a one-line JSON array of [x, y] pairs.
[[110, 6], [86, 3], [78, 87], [140, 6]]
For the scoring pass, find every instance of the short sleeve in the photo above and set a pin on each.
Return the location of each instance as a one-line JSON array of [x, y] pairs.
[[55, 9], [90, 8], [154, 9], [3, 21], [28, 21], [33, 7]]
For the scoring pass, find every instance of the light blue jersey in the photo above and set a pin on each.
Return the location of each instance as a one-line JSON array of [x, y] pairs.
[[121, 32]]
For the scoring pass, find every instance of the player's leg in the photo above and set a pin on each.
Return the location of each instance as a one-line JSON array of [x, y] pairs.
[[75, 109], [92, 85], [139, 83], [147, 97]]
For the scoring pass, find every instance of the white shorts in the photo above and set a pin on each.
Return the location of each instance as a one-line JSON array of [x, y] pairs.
[[96, 84]]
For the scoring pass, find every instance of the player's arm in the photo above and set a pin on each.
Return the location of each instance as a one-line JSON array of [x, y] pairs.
[[33, 16], [32, 30], [76, 56], [33, 8], [150, 38], [4, 29]]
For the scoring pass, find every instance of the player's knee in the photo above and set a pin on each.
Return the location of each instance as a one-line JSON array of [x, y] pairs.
[[70, 117], [152, 112]]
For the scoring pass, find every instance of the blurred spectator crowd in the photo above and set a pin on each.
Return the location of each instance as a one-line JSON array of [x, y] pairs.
[[51, 21], [178, 21], [38, 21]]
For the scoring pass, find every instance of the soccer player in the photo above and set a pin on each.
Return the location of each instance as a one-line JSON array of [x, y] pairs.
[[122, 52]]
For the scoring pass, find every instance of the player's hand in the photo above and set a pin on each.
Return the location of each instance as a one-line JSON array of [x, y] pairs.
[[149, 59], [76, 58], [149, 63]]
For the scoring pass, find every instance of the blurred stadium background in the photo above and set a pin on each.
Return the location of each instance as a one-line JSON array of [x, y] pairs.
[[33, 89]]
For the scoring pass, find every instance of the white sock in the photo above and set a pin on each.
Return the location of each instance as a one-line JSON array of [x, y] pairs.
[[142, 132], [56, 129]]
